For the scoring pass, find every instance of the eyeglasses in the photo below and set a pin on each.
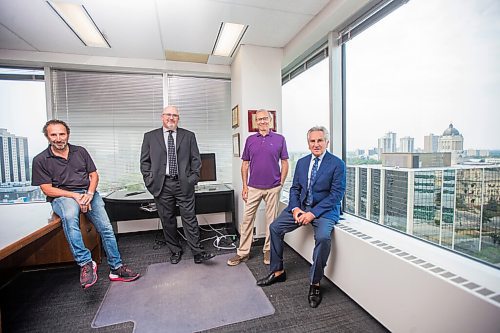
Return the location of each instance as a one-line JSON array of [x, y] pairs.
[[170, 115], [263, 119]]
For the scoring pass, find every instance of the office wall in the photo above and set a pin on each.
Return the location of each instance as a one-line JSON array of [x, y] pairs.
[[255, 84]]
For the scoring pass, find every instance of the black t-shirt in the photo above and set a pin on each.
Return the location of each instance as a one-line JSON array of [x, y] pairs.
[[71, 174]]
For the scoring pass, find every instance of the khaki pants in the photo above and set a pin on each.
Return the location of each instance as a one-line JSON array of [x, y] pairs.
[[271, 198]]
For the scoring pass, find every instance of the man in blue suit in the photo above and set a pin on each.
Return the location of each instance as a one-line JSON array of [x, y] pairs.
[[317, 189]]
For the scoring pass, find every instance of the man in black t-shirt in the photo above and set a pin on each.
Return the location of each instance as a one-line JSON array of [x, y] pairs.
[[68, 177]]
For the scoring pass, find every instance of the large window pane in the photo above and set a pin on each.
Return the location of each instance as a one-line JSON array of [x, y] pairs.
[[422, 103], [305, 104], [22, 115]]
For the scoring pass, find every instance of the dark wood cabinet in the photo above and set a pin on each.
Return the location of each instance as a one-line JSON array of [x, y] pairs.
[[46, 246], [55, 249]]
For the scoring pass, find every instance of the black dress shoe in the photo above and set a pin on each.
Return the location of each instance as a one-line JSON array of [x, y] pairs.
[[204, 256], [176, 257], [271, 278], [315, 296]]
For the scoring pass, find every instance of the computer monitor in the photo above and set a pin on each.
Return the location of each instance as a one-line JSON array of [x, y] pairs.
[[208, 169]]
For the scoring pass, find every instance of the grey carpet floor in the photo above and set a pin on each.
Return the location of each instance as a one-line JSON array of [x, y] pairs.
[[185, 297], [52, 300]]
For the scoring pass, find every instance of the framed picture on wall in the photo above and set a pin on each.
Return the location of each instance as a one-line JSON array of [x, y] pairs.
[[236, 116], [236, 145], [252, 121]]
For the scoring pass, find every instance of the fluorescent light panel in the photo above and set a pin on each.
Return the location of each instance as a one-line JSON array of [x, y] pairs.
[[229, 36], [79, 21]]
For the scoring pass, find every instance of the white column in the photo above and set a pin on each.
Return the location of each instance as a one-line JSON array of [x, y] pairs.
[[336, 119]]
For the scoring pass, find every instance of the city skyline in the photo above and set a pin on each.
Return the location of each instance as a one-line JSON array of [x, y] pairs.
[[406, 137]]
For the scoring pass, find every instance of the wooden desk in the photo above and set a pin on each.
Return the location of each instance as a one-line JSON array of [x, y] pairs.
[[42, 243]]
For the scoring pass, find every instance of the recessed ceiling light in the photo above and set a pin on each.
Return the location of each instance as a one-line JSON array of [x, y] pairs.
[[80, 22], [230, 35]]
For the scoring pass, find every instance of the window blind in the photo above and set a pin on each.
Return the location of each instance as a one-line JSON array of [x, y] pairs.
[[108, 114], [204, 106]]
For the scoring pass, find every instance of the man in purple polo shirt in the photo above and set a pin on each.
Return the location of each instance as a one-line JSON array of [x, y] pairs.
[[262, 156]]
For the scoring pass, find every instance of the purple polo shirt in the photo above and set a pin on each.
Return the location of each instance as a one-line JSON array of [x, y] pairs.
[[264, 154]]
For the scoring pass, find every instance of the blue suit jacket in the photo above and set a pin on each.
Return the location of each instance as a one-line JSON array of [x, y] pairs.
[[328, 188]]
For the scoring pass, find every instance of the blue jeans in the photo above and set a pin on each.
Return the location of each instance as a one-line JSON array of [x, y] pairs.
[[69, 212]]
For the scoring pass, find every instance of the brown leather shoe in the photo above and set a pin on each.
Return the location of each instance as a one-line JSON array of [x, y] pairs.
[[236, 260]]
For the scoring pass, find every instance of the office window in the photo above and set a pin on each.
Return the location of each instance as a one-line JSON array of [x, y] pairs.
[[108, 114], [469, 194], [396, 199], [448, 207], [375, 195], [490, 219], [305, 102], [363, 192], [23, 113], [350, 190], [205, 108], [427, 205], [422, 100]]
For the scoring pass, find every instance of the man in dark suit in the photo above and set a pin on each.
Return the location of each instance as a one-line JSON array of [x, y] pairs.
[[170, 166], [317, 189]]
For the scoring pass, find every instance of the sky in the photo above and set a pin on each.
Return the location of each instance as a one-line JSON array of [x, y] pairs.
[[305, 104], [24, 114], [426, 65]]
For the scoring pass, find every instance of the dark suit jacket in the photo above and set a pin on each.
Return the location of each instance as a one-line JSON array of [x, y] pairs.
[[154, 160], [328, 187]]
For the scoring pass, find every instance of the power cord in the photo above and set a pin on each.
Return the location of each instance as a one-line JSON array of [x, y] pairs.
[[218, 239]]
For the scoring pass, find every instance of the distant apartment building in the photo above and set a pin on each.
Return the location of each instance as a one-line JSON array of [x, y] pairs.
[[416, 160], [14, 159], [431, 143], [477, 153], [406, 144], [373, 151], [454, 207], [387, 143]]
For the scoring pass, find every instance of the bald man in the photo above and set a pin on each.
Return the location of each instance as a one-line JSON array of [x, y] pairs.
[[170, 166]]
